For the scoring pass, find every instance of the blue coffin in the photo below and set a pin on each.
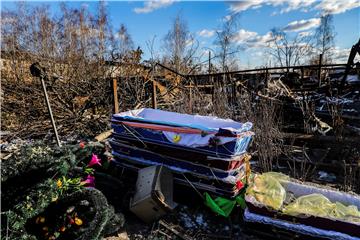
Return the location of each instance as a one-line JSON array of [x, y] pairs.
[[131, 153], [211, 136]]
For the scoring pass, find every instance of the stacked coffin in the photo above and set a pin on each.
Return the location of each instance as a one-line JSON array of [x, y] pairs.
[[203, 152]]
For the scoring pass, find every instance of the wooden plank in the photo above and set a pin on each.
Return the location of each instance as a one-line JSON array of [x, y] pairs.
[[319, 71], [173, 230], [115, 94], [102, 136], [153, 95]]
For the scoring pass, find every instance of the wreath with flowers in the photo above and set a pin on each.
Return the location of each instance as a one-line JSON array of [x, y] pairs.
[[63, 206]]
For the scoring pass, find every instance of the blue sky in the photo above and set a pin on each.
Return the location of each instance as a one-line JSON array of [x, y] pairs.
[[145, 20]]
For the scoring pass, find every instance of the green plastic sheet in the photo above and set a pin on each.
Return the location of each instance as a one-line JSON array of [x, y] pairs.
[[223, 206]]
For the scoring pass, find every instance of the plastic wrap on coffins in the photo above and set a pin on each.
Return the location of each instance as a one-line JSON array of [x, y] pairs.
[[318, 205], [296, 227], [267, 190]]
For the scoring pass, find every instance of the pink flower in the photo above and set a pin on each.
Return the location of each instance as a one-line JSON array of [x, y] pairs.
[[81, 144], [95, 160], [89, 181]]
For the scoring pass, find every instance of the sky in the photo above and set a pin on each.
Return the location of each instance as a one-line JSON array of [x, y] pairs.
[[152, 20]]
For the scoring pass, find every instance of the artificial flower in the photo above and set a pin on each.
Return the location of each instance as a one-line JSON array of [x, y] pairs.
[[71, 221], [59, 183], [81, 144], [95, 160], [89, 181], [78, 221], [62, 229], [239, 185]]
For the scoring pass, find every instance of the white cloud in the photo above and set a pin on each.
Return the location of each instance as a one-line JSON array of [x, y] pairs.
[[327, 6], [297, 4], [120, 36], [287, 5], [302, 25], [243, 36], [244, 5], [262, 40], [206, 33], [150, 6], [252, 39], [227, 17], [337, 6], [305, 34], [340, 54], [189, 42]]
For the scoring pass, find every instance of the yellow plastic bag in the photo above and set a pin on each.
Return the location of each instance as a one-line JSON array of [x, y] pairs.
[[278, 176], [267, 190], [347, 213], [313, 204], [319, 205]]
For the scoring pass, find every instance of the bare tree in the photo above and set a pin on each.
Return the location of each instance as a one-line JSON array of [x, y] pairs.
[[122, 46], [226, 48], [288, 51], [73, 47], [180, 45], [325, 37]]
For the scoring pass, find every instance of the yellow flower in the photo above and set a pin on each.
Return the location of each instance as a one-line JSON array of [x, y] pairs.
[[59, 183], [78, 221]]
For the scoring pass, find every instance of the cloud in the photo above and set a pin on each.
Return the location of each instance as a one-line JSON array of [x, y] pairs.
[[297, 4], [327, 6], [189, 42], [243, 36], [287, 5], [302, 25], [337, 6], [206, 33], [227, 18], [244, 5], [252, 39], [150, 6], [120, 36], [260, 41], [340, 54], [305, 34]]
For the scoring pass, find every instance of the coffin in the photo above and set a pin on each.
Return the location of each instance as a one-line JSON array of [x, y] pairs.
[[202, 184], [210, 136], [203, 152], [135, 154], [321, 221]]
